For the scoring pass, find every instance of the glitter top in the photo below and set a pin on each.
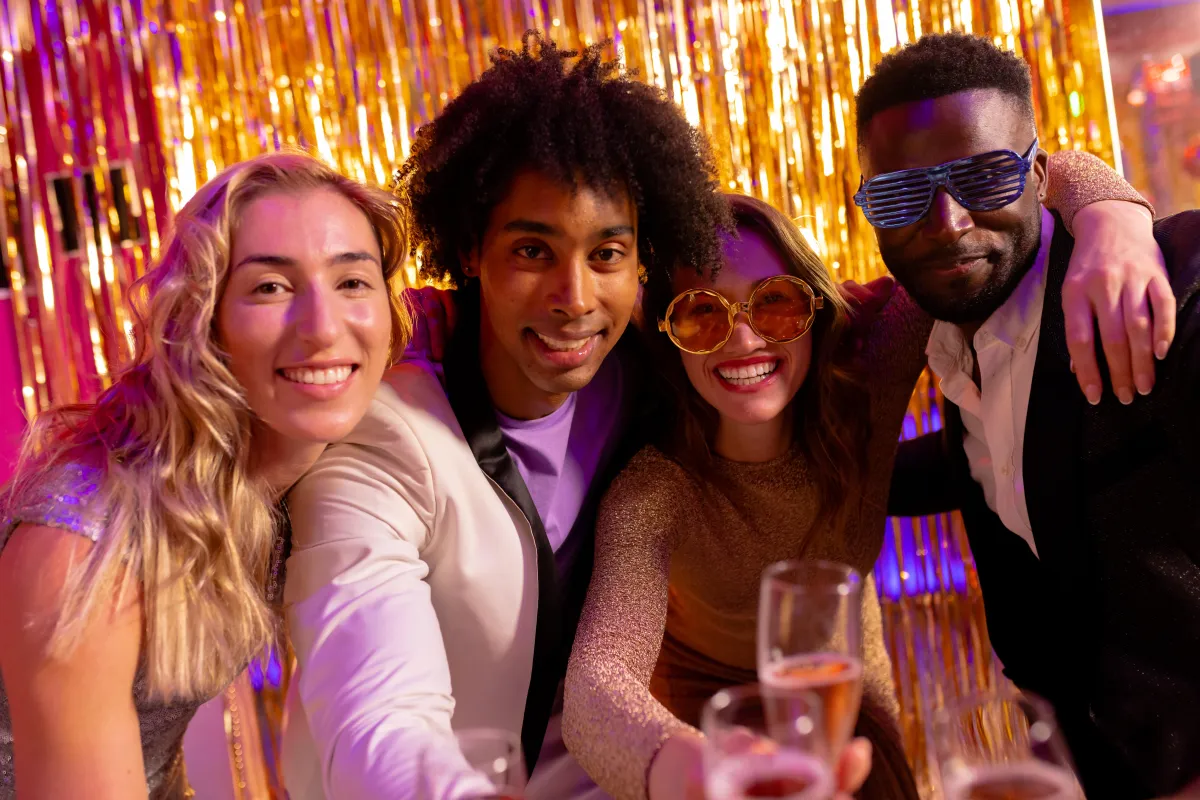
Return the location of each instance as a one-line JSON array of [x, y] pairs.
[[70, 501], [671, 613]]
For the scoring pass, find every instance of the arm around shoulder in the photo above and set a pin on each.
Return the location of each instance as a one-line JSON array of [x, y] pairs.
[[373, 676], [74, 724]]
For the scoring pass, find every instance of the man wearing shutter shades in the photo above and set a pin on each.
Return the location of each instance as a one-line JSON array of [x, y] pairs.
[[1081, 512]]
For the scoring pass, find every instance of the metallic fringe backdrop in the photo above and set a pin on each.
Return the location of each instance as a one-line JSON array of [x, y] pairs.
[[114, 112]]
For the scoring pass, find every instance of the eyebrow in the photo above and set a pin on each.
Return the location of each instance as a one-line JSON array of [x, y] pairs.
[[350, 257], [541, 228]]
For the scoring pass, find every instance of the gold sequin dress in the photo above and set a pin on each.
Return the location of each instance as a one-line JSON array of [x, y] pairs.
[[671, 612]]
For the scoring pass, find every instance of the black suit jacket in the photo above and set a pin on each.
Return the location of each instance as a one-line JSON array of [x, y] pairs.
[[1105, 621]]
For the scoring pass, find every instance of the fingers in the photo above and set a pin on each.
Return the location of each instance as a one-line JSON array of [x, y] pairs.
[[1077, 314], [1162, 302], [854, 765], [878, 293], [1110, 317], [1138, 331]]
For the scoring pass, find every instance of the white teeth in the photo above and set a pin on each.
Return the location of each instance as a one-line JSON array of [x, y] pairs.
[[748, 376], [320, 377], [563, 345]]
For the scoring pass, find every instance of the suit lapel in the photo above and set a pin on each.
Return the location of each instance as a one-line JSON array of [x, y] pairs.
[[1052, 427], [1053, 454], [471, 401]]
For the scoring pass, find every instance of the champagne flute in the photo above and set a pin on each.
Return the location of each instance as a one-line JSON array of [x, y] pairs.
[[496, 755], [764, 742], [810, 637], [1003, 745]]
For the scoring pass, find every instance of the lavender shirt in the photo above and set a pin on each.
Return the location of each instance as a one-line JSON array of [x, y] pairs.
[[559, 455]]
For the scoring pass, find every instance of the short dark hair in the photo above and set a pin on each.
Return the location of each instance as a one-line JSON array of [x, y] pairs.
[[941, 64], [588, 124]]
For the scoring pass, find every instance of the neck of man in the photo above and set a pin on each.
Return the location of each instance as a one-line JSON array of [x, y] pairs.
[[969, 329], [512, 393], [754, 442], [279, 461]]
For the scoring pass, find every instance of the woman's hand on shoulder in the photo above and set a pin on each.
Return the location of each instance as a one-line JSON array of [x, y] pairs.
[[74, 724]]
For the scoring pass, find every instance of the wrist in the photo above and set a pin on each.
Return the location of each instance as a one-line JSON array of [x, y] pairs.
[[1100, 214], [677, 761]]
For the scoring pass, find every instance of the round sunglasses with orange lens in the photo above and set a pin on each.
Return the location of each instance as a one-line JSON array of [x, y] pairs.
[[780, 310]]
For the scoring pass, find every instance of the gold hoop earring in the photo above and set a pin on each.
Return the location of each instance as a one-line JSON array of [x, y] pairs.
[[642, 276]]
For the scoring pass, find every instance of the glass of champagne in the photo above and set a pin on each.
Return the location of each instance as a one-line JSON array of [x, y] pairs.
[[1003, 745], [764, 742], [810, 637], [496, 755]]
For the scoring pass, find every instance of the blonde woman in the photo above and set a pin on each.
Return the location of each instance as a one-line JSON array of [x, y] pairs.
[[141, 549]]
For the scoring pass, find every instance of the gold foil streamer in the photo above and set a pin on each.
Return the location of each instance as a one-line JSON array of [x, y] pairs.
[[771, 81], [78, 181]]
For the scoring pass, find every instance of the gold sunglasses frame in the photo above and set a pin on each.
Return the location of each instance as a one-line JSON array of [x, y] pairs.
[[816, 302]]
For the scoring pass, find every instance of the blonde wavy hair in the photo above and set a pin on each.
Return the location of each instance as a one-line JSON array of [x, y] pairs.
[[188, 526]]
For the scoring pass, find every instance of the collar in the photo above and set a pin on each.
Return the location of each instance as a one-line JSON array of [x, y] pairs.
[[1015, 323]]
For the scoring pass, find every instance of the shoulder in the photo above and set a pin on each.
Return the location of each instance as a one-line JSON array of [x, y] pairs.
[[407, 449], [652, 486], [407, 420], [66, 496], [1179, 238]]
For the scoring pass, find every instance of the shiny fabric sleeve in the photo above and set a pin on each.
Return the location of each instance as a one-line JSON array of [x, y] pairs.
[[879, 688], [611, 723], [68, 499], [1077, 179]]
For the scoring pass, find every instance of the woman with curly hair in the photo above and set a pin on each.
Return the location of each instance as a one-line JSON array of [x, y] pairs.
[[143, 537]]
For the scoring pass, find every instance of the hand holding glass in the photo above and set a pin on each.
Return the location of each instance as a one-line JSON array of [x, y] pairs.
[[761, 742]]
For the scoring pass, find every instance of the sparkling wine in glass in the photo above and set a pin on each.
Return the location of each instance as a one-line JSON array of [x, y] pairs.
[[810, 637], [1003, 745], [763, 742]]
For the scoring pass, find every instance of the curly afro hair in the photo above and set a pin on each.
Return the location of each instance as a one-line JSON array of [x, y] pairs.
[[940, 64], [589, 123]]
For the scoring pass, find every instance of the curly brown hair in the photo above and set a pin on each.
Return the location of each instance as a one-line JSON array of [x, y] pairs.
[[588, 124]]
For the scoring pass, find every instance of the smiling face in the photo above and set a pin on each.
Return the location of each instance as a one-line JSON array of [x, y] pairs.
[[959, 265], [749, 381], [558, 279], [305, 316]]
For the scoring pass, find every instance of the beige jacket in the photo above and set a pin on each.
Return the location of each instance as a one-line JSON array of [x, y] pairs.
[[413, 605]]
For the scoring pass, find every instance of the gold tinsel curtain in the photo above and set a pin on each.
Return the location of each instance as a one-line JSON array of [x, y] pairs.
[[114, 111]]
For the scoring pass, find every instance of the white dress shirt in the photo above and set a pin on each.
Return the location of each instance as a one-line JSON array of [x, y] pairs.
[[994, 417]]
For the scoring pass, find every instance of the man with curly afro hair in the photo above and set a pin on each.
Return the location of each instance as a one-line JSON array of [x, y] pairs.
[[1081, 515], [443, 551]]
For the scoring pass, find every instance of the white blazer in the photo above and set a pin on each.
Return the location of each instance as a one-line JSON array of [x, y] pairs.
[[413, 606]]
